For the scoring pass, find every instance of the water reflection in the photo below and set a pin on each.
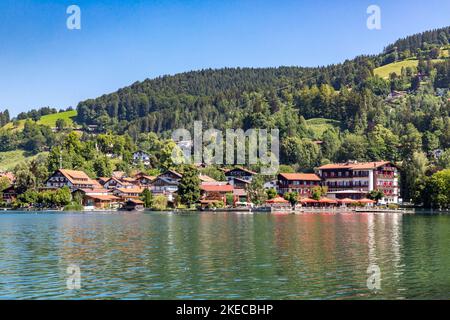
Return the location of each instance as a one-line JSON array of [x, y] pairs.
[[224, 256]]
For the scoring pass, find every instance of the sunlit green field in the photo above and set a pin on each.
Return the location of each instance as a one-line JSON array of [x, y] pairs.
[[320, 125], [48, 120], [8, 160]]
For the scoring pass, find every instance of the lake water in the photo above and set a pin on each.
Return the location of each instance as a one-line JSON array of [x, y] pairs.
[[224, 256]]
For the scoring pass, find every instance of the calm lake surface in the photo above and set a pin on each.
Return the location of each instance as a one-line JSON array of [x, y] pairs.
[[224, 256]]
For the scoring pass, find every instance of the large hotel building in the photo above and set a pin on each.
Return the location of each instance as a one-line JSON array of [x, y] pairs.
[[355, 179]]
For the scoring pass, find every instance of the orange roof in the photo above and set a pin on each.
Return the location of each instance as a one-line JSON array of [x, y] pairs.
[[130, 190], [102, 197], [300, 176], [95, 190], [346, 200], [327, 200], [365, 200], [77, 177], [355, 165], [308, 200], [217, 188]]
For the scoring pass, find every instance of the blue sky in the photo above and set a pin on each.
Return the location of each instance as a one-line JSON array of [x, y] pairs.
[[42, 63]]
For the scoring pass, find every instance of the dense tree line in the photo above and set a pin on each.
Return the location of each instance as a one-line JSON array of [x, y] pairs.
[[421, 41], [4, 117]]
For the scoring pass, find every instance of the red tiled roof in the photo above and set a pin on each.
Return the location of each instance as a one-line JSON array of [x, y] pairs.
[[77, 177], [300, 176], [356, 165], [103, 197], [217, 188], [95, 190], [130, 190]]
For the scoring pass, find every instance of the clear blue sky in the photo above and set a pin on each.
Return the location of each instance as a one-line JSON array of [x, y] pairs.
[[42, 63]]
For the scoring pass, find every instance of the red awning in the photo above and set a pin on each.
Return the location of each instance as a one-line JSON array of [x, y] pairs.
[[308, 200], [327, 201], [277, 200], [365, 200], [347, 200]]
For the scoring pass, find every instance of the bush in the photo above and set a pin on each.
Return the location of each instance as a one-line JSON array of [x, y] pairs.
[[74, 206], [160, 203], [393, 206]]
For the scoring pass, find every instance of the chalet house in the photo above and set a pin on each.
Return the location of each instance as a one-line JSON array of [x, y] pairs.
[[97, 198], [9, 195], [71, 178], [355, 179], [144, 180], [241, 174], [302, 183], [141, 157], [166, 184], [114, 183], [214, 193], [126, 194]]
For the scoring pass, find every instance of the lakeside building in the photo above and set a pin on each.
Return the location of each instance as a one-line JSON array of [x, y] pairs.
[[166, 184], [73, 179], [9, 195], [302, 183], [211, 193], [355, 179], [143, 179], [126, 194], [114, 183], [97, 198], [239, 175]]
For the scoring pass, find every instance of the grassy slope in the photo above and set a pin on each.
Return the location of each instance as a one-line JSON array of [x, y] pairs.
[[8, 160], [48, 120], [320, 125], [396, 67]]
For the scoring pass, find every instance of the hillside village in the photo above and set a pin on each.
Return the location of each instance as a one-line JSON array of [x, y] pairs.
[[332, 185], [393, 108]]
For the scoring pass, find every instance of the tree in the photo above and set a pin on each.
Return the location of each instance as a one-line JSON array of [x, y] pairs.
[[102, 167], [229, 199], [159, 202], [354, 147], [256, 190], [189, 187], [4, 183], [411, 141], [330, 144], [271, 193], [292, 197], [24, 178], [318, 192], [413, 172], [147, 197], [376, 195], [61, 124], [434, 191]]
